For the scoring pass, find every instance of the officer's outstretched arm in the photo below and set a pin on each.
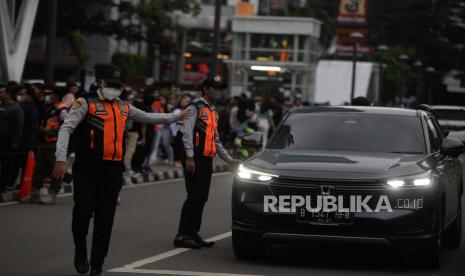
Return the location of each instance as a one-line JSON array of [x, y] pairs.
[[76, 115], [154, 118]]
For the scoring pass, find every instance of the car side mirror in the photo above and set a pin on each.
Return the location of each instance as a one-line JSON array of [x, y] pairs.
[[452, 147], [252, 140]]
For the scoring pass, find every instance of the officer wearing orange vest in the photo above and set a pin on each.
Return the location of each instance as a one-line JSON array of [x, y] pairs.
[[45, 160], [201, 144], [98, 123]]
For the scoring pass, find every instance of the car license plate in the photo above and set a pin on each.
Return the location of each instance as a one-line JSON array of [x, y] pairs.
[[322, 217]]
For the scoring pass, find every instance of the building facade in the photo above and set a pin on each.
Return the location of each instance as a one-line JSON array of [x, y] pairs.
[[274, 55]]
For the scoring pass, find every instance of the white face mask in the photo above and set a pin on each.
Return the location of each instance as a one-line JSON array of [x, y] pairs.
[[48, 99], [110, 93], [19, 98]]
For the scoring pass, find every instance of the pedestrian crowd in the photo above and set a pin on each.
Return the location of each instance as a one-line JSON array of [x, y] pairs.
[[31, 115]]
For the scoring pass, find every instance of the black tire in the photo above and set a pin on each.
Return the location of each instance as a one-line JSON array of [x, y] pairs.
[[452, 236], [431, 257], [247, 246]]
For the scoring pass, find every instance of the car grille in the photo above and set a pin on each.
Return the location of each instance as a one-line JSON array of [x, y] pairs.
[[312, 187]]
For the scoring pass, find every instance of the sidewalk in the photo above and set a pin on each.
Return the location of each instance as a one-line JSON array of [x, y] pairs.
[[161, 171]]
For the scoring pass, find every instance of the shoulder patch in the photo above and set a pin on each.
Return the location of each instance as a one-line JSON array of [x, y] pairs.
[[76, 105]]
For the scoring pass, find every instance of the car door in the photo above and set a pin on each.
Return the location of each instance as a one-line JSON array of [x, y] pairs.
[[448, 168]]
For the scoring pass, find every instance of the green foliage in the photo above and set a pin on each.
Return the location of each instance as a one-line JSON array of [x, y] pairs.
[[78, 46], [423, 28], [131, 65]]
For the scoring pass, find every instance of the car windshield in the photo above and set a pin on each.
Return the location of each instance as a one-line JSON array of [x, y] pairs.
[[445, 114], [350, 132]]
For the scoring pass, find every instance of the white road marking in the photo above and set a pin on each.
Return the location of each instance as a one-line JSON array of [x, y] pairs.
[[168, 254], [133, 267], [131, 186], [176, 272]]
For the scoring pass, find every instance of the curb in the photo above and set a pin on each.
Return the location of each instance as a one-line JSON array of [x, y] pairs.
[[10, 196]]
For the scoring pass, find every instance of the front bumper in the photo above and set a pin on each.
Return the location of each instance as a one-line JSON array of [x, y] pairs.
[[403, 227]]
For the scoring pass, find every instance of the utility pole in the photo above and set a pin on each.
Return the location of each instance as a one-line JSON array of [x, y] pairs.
[[356, 37], [216, 39], [51, 38]]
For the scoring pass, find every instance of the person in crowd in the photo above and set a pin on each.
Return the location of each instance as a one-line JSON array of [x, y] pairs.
[[297, 102], [132, 137], [98, 168], [246, 114], [39, 98], [25, 97], [176, 127], [278, 113], [142, 101], [233, 121], [165, 134], [201, 144], [223, 121], [265, 119], [70, 96], [45, 161], [157, 107], [11, 131]]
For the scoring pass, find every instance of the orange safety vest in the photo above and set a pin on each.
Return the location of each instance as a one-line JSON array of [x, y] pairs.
[[52, 120], [101, 135], [205, 129]]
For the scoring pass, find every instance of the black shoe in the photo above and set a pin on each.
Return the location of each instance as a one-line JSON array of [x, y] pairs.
[[82, 266], [204, 243], [95, 272], [186, 242], [80, 259]]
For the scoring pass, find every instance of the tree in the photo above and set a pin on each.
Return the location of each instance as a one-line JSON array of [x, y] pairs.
[[417, 26]]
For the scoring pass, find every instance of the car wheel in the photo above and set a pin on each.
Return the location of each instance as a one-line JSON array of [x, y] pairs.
[[453, 235], [430, 257], [246, 245]]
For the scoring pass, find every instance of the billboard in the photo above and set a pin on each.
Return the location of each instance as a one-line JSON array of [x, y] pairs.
[[352, 11]]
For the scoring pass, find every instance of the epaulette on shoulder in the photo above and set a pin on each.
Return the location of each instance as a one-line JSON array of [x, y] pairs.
[[198, 103]]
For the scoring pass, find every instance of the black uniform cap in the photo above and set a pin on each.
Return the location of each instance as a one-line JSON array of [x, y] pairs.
[[210, 82]]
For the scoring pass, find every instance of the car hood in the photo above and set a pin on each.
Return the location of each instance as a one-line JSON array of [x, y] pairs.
[[338, 165]]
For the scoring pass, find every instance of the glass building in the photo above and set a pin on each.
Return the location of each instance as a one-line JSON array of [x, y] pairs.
[[274, 55]]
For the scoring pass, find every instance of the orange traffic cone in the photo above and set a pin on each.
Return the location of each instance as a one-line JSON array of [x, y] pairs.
[[26, 184]]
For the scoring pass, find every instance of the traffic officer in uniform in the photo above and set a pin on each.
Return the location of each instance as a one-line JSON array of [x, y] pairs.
[[201, 144], [98, 122], [45, 161]]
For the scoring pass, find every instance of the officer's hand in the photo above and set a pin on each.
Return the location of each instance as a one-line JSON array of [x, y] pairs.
[[233, 164], [190, 165], [185, 114], [60, 170]]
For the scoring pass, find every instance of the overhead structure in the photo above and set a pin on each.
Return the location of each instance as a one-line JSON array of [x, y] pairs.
[[15, 36]]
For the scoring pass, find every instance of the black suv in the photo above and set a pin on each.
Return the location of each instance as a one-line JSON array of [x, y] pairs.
[[370, 152]]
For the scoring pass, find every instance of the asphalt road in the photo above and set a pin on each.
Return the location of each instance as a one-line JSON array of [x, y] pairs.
[[36, 240]]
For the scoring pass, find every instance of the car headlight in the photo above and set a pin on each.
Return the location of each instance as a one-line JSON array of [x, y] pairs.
[[249, 174], [419, 180]]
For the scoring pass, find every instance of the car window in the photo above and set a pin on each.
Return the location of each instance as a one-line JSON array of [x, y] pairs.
[[434, 136], [350, 132]]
